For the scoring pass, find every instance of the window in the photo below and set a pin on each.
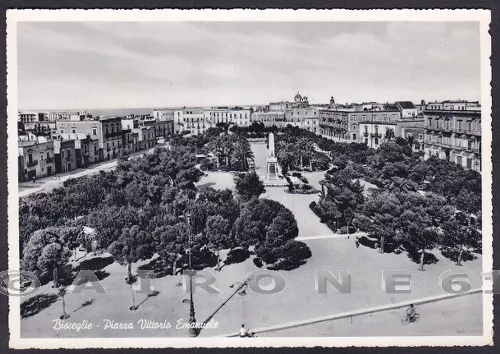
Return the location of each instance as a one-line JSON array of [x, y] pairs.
[[459, 125], [94, 131], [41, 156], [69, 153], [376, 141], [470, 126], [62, 153], [62, 131]]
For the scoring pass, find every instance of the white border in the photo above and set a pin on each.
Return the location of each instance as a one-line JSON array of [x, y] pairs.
[[482, 16]]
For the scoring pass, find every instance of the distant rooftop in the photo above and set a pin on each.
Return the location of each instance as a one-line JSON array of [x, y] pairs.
[[405, 104]]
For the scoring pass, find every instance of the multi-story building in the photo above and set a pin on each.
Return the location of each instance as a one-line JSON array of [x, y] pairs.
[[407, 109], [454, 105], [454, 135], [162, 129], [333, 123], [345, 125], [65, 155], [279, 106], [164, 115], [375, 133], [35, 159], [86, 148], [303, 117], [270, 118], [146, 137], [68, 115], [106, 130], [191, 120]]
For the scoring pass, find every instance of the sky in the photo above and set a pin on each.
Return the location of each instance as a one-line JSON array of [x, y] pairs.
[[83, 65]]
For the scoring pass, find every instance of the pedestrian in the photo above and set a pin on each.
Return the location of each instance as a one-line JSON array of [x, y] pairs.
[[356, 241], [243, 331]]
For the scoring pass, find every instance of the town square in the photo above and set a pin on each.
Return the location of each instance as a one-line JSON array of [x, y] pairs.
[[257, 196]]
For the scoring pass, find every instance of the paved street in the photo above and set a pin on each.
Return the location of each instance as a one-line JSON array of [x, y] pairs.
[[458, 316], [47, 184]]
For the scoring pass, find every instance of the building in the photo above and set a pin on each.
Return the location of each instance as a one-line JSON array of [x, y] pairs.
[[279, 106], [303, 117], [407, 109], [35, 159], [65, 155], [345, 124], [68, 115], [164, 115], [300, 101], [106, 130], [162, 129], [270, 118], [454, 105], [454, 135], [190, 120], [333, 123], [414, 128], [146, 137], [237, 115], [375, 133], [86, 149]]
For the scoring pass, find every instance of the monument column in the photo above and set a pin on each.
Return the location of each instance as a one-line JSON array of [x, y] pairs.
[[272, 161]]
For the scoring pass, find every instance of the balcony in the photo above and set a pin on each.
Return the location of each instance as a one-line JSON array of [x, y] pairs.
[[113, 135], [32, 163], [376, 135]]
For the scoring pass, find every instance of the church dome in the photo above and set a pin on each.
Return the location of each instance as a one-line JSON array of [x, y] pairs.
[[298, 97]]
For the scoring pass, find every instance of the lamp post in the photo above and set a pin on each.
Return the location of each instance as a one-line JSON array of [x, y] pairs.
[[193, 332]]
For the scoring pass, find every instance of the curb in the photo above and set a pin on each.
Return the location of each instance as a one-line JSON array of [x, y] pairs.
[[361, 312]]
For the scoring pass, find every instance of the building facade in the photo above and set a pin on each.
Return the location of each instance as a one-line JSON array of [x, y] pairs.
[[65, 155], [345, 125], [454, 135], [190, 120], [375, 133], [35, 159], [270, 118]]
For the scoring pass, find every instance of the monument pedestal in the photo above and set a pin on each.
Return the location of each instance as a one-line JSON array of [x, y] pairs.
[[272, 168]]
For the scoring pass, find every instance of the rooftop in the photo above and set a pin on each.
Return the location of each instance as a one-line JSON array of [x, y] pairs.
[[405, 104]]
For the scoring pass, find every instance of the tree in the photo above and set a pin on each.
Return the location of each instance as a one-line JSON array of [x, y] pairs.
[[62, 293], [54, 256], [248, 186], [171, 242], [218, 234], [72, 237], [459, 235], [349, 217], [133, 245], [45, 252]]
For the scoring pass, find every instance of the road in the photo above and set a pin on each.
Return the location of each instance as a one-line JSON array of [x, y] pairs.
[[458, 316], [49, 183]]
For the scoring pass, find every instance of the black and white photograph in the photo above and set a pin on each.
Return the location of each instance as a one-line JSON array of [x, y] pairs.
[[241, 178]]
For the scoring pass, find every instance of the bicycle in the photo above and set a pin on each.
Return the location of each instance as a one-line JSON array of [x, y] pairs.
[[407, 319]]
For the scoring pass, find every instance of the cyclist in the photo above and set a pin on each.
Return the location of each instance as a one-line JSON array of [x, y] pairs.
[[410, 312]]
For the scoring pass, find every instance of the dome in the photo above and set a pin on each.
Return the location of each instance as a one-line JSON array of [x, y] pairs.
[[298, 97]]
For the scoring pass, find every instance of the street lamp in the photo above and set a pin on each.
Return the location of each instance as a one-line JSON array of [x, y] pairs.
[[193, 332]]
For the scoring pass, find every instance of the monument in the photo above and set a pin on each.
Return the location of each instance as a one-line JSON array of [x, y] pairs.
[[272, 161]]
